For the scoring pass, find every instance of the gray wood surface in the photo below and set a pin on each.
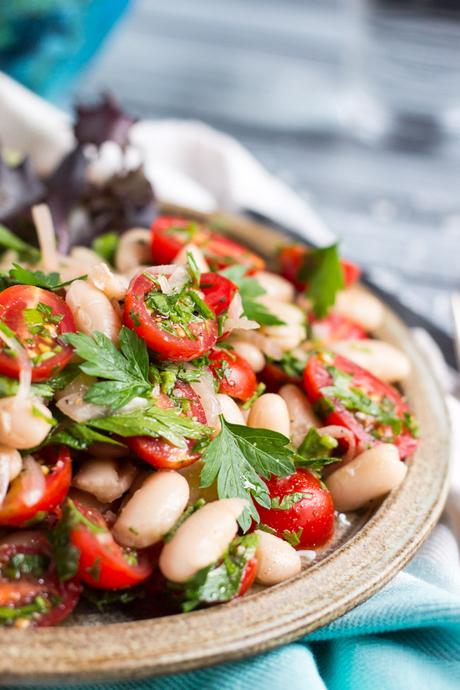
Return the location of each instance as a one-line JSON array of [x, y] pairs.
[[270, 73]]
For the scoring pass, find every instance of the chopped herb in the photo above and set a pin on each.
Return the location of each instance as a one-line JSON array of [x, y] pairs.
[[25, 564], [106, 245], [249, 290], [315, 451], [186, 514], [18, 275], [221, 581], [292, 538], [323, 274], [94, 569], [193, 270], [411, 424], [78, 436], [239, 459], [257, 393], [8, 615], [267, 528], [40, 415], [293, 364], [9, 240], [287, 501]]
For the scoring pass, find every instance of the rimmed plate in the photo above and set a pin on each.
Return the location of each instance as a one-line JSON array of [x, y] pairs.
[[368, 551]]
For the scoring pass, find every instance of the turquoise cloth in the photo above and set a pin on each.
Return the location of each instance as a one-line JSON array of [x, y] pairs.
[[44, 44], [406, 637]]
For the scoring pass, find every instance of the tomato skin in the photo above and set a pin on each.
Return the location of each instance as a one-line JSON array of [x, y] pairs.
[[291, 260], [336, 327], [238, 379], [219, 251], [248, 577], [14, 512], [16, 593], [314, 514], [13, 301], [102, 563], [218, 291], [274, 376], [160, 453], [316, 377], [180, 348]]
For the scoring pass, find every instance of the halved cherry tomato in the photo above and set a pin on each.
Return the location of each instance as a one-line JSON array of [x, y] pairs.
[[159, 452], [29, 587], [248, 577], [336, 327], [218, 291], [307, 521], [103, 563], [17, 509], [181, 335], [368, 430], [235, 376], [292, 258], [274, 376], [170, 234], [37, 318]]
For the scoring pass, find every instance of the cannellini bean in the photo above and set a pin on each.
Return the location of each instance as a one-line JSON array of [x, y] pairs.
[[276, 559], [270, 412], [84, 256], [14, 460], [301, 415], [285, 338], [105, 478], [23, 422], [289, 313], [153, 510], [201, 539], [382, 359], [230, 409], [276, 286], [251, 353], [370, 475], [181, 257], [87, 499], [92, 310], [192, 475], [360, 306], [134, 249], [112, 285]]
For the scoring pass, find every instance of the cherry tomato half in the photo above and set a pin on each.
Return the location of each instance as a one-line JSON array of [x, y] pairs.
[[103, 563], [292, 258], [177, 332], [336, 327], [308, 519], [368, 430], [159, 452], [235, 376], [29, 587], [218, 291], [170, 234], [248, 577], [37, 318], [18, 508]]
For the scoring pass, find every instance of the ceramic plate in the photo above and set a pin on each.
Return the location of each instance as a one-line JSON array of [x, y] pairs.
[[368, 550]]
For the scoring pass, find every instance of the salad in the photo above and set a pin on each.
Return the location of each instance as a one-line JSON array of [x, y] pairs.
[[177, 421]]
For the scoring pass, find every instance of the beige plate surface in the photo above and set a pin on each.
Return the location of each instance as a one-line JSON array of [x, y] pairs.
[[367, 553]]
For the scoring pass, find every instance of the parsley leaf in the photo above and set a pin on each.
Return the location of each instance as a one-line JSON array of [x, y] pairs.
[[292, 537], [240, 458], [106, 245], [219, 582], [323, 274], [9, 240], [249, 290], [78, 436], [315, 451], [294, 363], [287, 501], [18, 275], [126, 370]]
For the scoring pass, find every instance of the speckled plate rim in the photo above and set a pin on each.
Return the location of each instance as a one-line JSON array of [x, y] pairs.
[[317, 596]]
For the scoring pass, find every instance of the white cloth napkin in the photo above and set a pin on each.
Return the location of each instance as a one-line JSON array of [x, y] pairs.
[[191, 164]]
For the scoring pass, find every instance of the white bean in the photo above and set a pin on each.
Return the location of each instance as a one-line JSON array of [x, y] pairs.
[[112, 285], [301, 414], [276, 559], [360, 306], [270, 412], [201, 539], [370, 475], [92, 310], [289, 313], [23, 422], [105, 478], [181, 257], [14, 460], [134, 249], [382, 359], [276, 286], [285, 337], [153, 510], [250, 353], [230, 409], [192, 475]]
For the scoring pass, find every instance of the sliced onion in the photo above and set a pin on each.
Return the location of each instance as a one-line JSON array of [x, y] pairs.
[[235, 317], [344, 434], [46, 238], [71, 401], [4, 476], [25, 365], [208, 398], [178, 277], [33, 481], [181, 257]]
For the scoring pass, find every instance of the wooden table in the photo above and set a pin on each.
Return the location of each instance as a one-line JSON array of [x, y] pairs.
[[270, 72]]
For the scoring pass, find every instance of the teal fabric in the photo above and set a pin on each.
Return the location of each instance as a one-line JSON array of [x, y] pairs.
[[44, 44], [406, 637]]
